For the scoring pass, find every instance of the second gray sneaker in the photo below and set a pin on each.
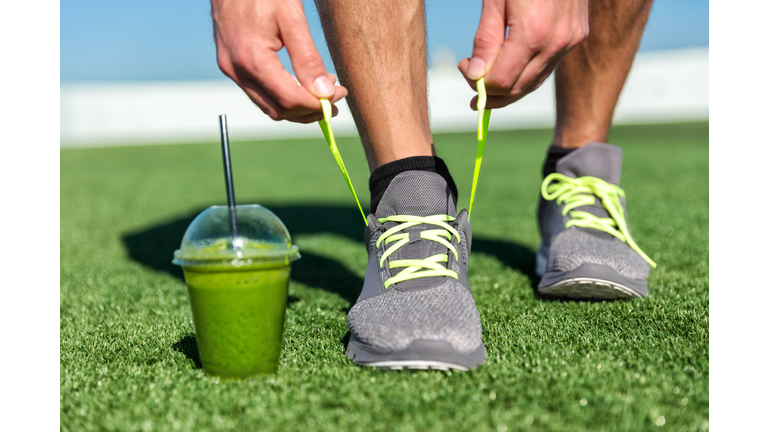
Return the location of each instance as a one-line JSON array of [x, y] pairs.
[[587, 249], [416, 309]]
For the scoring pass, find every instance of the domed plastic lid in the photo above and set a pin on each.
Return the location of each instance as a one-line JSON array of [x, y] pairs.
[[262, 239]]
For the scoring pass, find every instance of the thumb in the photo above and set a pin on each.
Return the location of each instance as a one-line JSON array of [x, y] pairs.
[[488, 40], [306, 61]]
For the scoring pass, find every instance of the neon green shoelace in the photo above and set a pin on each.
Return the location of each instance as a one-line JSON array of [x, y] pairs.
[[483, 119], [325, 125], [582, 191], [418, 268]]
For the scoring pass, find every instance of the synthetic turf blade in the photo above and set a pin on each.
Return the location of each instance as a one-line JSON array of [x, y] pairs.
[[483, 119], [325, 125]]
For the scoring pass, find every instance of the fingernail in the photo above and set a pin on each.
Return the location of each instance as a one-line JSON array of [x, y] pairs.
[[323, 86], [476, 68]]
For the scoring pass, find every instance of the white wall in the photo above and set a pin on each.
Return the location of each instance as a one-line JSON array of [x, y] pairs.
[[663, 86]]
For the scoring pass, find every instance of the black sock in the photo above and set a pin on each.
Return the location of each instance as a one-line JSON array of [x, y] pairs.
[[382, 176], [553, 155]]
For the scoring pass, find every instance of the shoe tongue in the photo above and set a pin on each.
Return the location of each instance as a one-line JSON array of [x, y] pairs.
[[594, 159], [417, 193]]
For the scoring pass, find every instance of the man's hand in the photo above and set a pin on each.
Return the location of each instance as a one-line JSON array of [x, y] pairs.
[[541, 32], [248, 35]]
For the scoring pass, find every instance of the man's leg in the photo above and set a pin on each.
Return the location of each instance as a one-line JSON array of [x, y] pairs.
[[588, 259], [415, 309], [379, 50], [589, 79]]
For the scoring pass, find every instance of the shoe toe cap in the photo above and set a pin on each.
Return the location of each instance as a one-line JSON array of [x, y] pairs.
[[574, 247], [391, 321]]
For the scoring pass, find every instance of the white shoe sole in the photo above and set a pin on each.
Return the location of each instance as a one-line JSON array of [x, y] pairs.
[[420, 355], [588, 288], [588, 283], [415, 365]]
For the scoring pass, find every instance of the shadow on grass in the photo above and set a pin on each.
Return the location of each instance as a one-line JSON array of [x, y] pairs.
[[188, 346], [153, 247], [516, 256]]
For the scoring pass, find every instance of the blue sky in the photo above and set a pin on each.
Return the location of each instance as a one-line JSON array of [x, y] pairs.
[[141, 40]]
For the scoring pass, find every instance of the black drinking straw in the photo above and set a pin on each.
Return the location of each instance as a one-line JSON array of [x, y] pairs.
[[228, 175]]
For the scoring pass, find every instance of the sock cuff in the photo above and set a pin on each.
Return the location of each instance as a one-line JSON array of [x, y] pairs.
[[382, 176], [554, 154]]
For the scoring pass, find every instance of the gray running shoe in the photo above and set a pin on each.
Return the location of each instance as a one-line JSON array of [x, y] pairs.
[[416, 309], [587, 249]]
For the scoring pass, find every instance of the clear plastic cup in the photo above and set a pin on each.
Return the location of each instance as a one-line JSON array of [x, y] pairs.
[[237, 288]]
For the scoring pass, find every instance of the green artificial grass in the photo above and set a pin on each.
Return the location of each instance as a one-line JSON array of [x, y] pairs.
[[128, 355]]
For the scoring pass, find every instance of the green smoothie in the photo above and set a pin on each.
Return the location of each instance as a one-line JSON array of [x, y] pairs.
[[239, 316], [237, 288]]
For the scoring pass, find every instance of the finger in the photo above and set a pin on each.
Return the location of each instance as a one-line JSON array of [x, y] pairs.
[[494, 102], [266, 103], [463, 66], [267, 70], [306, 61], [510, 63], [292, 98], [499, 94], [311, 118], [339, 93], [273, 110], [489, 39], [526, 76], [536, 72], [542, 77]]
